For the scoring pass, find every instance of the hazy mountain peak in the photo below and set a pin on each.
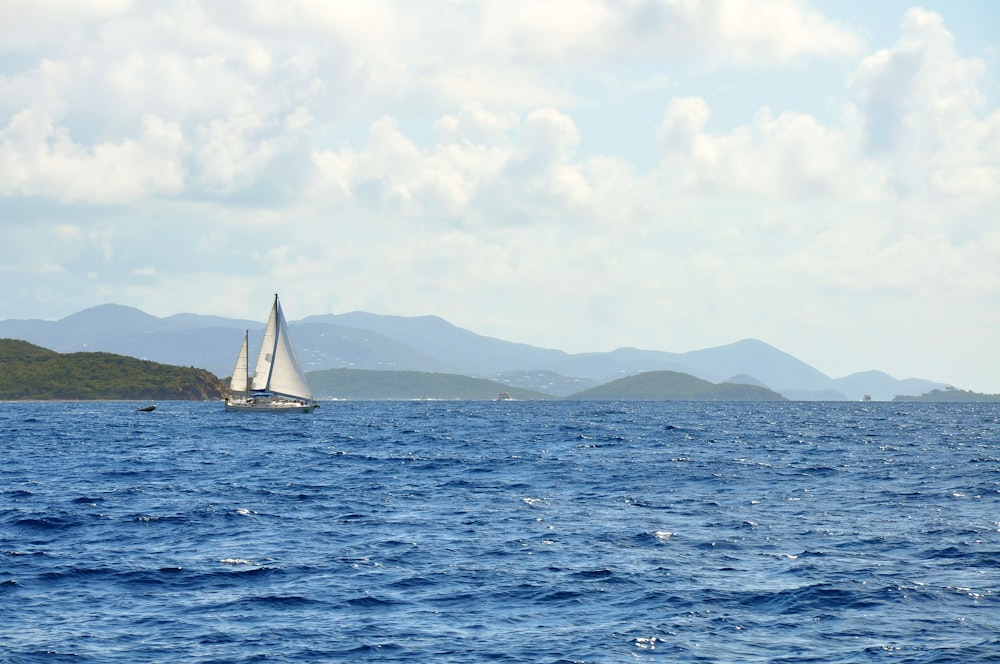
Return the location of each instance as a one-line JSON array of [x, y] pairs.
[[744, 379], [105, 317]]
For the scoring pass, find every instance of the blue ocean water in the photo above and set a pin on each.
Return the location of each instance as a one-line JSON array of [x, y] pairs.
[[501, 531]]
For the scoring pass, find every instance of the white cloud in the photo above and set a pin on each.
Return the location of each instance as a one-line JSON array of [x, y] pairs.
[[717, 31], [235, 153], [746, 31], [921, 128], [43, 160], [791, 154], [541, 170], [396, 173], [52, 23], [475, 124], [531, 165], [925, 116]]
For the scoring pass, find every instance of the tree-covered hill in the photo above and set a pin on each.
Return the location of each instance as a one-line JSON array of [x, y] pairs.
[[33, 372], [369, 384], [674, 386]]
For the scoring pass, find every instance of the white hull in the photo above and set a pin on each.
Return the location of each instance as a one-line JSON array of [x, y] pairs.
[[270, 406]]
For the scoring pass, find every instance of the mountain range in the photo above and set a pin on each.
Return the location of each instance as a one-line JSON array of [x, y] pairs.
[[360, 340]]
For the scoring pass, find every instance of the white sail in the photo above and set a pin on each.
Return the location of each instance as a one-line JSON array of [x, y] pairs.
[[238, 383], [262, 371], [278, 369]]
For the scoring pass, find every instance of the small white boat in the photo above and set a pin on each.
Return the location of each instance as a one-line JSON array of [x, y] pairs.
[[504, 396], [278, 384]]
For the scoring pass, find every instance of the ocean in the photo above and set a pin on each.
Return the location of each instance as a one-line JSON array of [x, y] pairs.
[[433, 531]]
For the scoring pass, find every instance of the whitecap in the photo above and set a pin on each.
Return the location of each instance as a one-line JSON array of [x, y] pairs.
[[647, 642]]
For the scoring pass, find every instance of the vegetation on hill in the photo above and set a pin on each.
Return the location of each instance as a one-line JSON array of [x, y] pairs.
[[31, 372], [674, 386], [543, 380], [949, 395], [370, 384]]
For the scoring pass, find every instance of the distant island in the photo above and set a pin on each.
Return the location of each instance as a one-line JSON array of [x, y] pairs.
[[949, 395], [34, 373], [674, 386]]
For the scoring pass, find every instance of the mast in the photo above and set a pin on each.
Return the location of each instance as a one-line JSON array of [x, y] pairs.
[[274, 348], [246, 362]]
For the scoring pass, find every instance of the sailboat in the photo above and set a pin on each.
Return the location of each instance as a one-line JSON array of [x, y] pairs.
[[277, 384]]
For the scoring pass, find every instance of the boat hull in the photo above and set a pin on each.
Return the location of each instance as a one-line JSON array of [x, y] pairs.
[[270, 406]]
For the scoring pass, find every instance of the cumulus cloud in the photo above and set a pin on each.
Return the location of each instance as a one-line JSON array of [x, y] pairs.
[[482, 166], [920, 126], [791, 154], [393, 172], [234, 153], [43, 160], [475, 124], [718, 31], [542, 168], [740, 32], [924, 114]]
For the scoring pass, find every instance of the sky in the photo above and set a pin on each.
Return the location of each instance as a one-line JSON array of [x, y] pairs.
[[582, 175]]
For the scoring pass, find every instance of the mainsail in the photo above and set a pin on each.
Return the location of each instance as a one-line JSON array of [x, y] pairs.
[[278, 369]]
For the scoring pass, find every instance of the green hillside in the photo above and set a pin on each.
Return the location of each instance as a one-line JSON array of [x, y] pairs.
[[674, 386], [31, 372], [370, 384]]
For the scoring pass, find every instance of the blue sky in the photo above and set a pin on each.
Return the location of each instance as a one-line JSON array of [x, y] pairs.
[[582, 175]]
